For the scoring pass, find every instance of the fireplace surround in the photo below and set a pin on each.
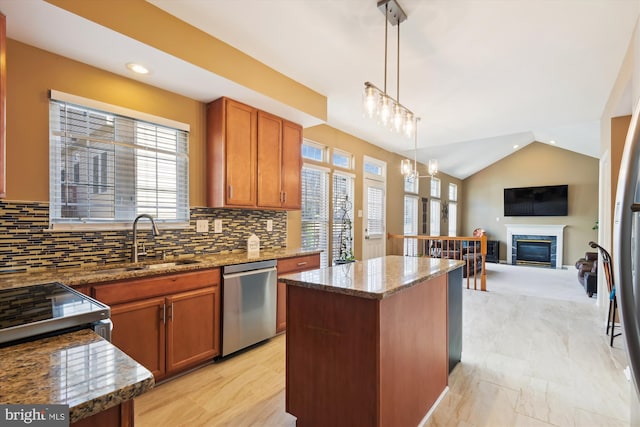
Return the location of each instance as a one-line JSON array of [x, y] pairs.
[[548, 237]]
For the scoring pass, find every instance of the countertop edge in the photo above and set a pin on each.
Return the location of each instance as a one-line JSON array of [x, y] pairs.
[[290, 281], [100, 404], [97, 275]]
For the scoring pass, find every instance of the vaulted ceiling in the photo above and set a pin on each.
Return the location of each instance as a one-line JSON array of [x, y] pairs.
[[484, 75]]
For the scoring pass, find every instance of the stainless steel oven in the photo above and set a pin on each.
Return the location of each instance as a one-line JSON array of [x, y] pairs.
[[35, 311], [248, 304]]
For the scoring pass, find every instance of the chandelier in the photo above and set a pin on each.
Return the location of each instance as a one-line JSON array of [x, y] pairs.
[[377, 103], [411, 170]]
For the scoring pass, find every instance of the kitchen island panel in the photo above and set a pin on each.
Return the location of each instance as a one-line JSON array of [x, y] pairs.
[[413, 352], [326, 341], [362, 361]]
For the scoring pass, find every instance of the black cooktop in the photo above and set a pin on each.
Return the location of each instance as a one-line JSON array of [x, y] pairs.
[[43, 308]]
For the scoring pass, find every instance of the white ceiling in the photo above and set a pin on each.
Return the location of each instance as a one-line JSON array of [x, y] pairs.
[[484, 75]]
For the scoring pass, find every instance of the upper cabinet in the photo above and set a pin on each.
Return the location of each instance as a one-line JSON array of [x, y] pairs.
[[3, 104], [253, 158]]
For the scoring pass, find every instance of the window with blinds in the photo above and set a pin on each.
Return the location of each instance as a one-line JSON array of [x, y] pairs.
[[107, 168], [453, 209], [315, 211], [434, 220], [342, 224], [410, 225], [375, 212], [434, 208]]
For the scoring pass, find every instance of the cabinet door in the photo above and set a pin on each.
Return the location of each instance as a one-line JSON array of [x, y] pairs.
[[240, 154], [269, 160], [193, 331], [291, 165], [3, 104], [139, 331]]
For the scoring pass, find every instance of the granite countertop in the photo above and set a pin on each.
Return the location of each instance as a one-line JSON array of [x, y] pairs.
[[113, 272], [79, 369], [375, 278]]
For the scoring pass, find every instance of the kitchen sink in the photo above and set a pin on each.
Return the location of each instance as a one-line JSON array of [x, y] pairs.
[[171, 264], [159, 266]]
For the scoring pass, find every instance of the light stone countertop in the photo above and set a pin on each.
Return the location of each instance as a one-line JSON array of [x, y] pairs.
[[375, 278], [79, 369], [91, 275]]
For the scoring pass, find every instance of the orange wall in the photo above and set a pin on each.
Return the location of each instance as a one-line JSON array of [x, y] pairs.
[[32, 72]]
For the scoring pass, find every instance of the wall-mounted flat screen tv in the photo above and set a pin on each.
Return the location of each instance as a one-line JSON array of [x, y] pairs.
[[550, 200]]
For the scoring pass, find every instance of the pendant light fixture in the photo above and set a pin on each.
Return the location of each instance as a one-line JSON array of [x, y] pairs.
[[409, 170], [377, 103]]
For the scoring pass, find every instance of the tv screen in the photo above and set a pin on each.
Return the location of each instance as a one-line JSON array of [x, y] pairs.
[[550, 200]]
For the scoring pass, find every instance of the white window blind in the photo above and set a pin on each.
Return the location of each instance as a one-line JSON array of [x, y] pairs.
[[453, 216], [410, 224], [342, 206], [375, 212], [434, 220], [106, 168], [453, 192], [435, 188], [315, 211]]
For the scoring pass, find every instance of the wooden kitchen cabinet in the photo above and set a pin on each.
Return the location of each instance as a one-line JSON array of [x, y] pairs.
[[193, 333], [3, 105], [279, 162], [253, 158], [139, 331], [231, 154], [287, 266], [166, 323]]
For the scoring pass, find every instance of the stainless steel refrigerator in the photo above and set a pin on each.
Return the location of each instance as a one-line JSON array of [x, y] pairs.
[[626, 256]]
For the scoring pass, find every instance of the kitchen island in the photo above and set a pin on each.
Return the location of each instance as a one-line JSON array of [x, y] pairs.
[[79, 369], [368, 342]]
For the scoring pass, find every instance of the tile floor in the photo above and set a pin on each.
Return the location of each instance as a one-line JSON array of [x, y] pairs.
[[534, 354]]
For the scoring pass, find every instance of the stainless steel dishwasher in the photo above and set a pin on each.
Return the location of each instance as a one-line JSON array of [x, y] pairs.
[[249, 295]]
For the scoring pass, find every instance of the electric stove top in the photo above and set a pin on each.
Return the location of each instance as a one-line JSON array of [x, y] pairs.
[[46, 308]]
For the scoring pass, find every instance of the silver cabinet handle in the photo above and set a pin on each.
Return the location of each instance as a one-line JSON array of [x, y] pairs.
[[300, 264]]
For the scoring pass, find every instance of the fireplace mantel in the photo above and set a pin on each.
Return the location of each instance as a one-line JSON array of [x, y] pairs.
[[536, 230]]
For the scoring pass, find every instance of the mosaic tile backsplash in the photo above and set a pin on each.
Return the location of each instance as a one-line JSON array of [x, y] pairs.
[[27, 245]]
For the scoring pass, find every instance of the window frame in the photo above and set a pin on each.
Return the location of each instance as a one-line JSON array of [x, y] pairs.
[[102, 152]]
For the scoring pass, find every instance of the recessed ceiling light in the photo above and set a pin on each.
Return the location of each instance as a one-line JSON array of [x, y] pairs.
[[137, 68], [515, 147], [552, 142]]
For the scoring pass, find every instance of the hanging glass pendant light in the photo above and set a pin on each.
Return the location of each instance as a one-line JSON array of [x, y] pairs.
[[377, 103]]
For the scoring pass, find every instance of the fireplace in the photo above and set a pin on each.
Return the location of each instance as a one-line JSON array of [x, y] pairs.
[[533, 252], [543, 244]]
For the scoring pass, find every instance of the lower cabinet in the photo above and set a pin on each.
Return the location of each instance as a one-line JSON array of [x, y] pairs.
[[287, 266], [166, 323]]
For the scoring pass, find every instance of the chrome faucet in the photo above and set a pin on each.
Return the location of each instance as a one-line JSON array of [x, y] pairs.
[[154, 230]]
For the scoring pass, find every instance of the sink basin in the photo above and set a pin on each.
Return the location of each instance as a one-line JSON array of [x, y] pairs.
[[171, 264], [150, 266]]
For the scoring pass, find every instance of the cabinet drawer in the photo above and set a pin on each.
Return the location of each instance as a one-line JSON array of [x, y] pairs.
[[301, 263], [136, 289]]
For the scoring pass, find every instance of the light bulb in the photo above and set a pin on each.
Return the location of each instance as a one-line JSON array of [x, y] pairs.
[[384, 110], [398, 118], [406, 167], [408, 126], [433, 167], [369, 101]]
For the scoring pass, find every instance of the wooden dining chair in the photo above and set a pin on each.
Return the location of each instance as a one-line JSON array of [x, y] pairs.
[[607, 268]]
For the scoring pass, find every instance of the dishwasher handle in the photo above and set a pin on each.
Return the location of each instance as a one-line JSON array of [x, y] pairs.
[[248, 273]]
